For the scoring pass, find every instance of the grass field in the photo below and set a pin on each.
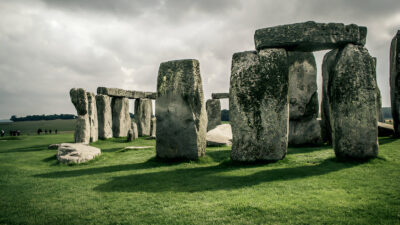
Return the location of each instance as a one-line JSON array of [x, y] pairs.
[[31, 127], [132, 187]]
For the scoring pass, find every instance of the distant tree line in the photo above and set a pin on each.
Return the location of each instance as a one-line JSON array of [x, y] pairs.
[[43, 117], [225, 115], [387, 112]]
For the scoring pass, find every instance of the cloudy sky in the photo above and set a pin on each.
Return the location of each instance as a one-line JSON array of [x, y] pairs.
[[50, 46]]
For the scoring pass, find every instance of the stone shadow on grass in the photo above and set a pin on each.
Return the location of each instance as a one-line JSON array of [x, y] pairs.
[[307, 149], [212, 178], [34, 148]]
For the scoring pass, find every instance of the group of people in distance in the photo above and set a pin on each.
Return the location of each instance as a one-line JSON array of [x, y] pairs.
[[39, 131], [18, 132]]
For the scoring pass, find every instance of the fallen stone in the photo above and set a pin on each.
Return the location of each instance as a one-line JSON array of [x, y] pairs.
[[310, 36], [138, 147], [220, 136], [79, 99], [117, 92], [303, 95], [92, 111], [143, 113], [76, 153], [353, 104], [385, 130], [180, 111], [213, 107], [219, 95], [258, 105], [121, 120], [53, 146], [395, 82], [104, 116]]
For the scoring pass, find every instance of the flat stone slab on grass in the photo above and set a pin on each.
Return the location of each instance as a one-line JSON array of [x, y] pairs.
[[220, 135], [385, 129], [310, 36], [76, 153], [138, 147]]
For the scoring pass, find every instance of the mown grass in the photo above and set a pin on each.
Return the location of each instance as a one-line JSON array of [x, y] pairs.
[[31, 127], [133, 187]]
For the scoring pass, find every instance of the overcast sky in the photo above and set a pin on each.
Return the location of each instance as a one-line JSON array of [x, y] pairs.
[[47, 47]]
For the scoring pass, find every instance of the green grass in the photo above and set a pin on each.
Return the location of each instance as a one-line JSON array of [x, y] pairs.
[[31, 127], [132, 187]]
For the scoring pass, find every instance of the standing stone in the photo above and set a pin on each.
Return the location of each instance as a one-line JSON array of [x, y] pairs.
[[94, 134], [353, 103], [395, 82], [134, 129], [121, 121], [104, 116], [303, 97], [143, 113], [82, 127], [180, 111], [379, 97], [213, 107], [153, 126], [258, 105], [327, 66]]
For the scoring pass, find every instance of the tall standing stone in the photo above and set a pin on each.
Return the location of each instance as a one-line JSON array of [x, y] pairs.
[[92, 111], [104, 116], [303, 97], [258, 105], [153, 126], [180, 110], [143, 113], [82, 127], [121, 121], [327, 66], [213, 107], [352, 94], [395, 82]]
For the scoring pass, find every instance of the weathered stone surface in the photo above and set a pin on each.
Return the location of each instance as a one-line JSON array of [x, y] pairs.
[[79, 99], [76, 153], [219, 95], [53, 146], [213, 107], [303, 95], [327, 66], [134, 129], [395, 82], [305, 132], [353, 103], [117, 92], [258, 105], [104, 116], [220, 135], [121, 121], [92, 111], [180, 111], [153, 126], [310, 36], [385, 130], [82, 129], [143, 113]]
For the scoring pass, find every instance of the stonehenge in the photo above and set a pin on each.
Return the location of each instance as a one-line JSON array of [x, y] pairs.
[[180, 111], [273, 99], [395, 82], [258, 105]]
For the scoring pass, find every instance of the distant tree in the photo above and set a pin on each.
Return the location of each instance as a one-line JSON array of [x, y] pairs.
[[387, 112], [225, 115]]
